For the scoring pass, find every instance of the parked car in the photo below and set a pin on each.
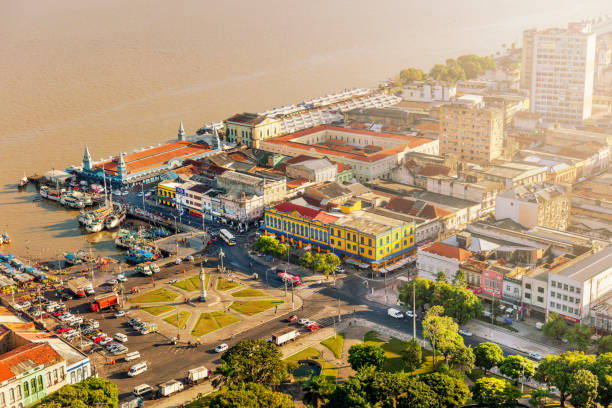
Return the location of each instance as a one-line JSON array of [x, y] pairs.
[[58, 313], [410, 314], [535, 356], [465, 332], [120, 313], [221, 348], [292, 318], [63, 329], [134, 321], [302, 322], [313, 327], [105, 341]]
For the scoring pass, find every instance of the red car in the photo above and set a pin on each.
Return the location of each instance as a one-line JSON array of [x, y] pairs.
[[58, 313], [292, 318], [99, 339], [64, 329], [313, 327]]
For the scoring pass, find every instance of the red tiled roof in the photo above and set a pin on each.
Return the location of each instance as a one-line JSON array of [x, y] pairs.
[[155, 157], [448, 251], [299, 159], [239, 156], [306, 212], [406, 206], [427, 127], [336, 147], [39, 353], [296, 183], [342, 167]]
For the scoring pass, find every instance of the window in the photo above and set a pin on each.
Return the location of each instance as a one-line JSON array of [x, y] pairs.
[[332, 242], [565, 286], [540, 289], [558, 295], [12, 395], [33, 385], [369, 252], [578, 290], [571, 310], [552, 304], [552, 294], [553, 284], [527, 295], [577, 300], [565, 297], [49, 381], [26, 389], [540, 299], [370, 242], [564, 308], [40, 382], [571, 289], [528, 286]]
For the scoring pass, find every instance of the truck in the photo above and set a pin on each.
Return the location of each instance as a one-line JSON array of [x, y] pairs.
[[132, 402], [395, 313], [104, 302], [79, 286], [148, 328], [170, 387], [283, 336], [197, 374], [144, 269]]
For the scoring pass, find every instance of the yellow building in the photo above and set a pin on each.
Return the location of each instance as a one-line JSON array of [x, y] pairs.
[[250, 128], [166, 193], [375, 238]]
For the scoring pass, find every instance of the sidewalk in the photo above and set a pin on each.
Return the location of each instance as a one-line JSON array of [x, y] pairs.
[[522, 341]]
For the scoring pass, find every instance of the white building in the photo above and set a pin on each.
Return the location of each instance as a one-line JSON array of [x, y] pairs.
[[580, 284], [317, 170], [439, 257], [429, 92], [562, 72]]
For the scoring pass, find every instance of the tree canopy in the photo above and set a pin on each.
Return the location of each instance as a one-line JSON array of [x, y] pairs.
[[364, 355], [580, 336], [250, 396], [516, 367], [584, 389], [495, 393], [604, 345], [559, 370], [89, 393], [555, 327], [270, 245], [439, 330], [253, 361], [488, 355]]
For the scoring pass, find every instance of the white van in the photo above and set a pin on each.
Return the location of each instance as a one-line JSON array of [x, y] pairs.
[[142, 389], [137, 369], [121, 337], [395, 313], [132, 356]]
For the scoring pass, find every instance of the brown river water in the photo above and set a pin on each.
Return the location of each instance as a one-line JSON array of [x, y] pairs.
[[118, 75]]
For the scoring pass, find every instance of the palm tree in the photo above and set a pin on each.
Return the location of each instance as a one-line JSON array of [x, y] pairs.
[[317, 390]]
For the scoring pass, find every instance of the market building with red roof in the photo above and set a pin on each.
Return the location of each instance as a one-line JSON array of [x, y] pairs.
[[440, 257]]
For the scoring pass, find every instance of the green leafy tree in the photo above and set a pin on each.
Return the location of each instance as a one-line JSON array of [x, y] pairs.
[[495, 393], [496, 310], [584, 389], [416, 394], [253, 361], [266, 244], [441, 277], [555, 327], [451, 391], [488, 355], [350, 394], [459, 279], [458, 302], [91, 392], [412, 355], [383, 387], [602, 368], [318, 390], [438, 329], [580, 336], [559, 370], [411, 75], [423, 291], [364, 355], [604, 345], [539, 397], [306, 260], [250, 396], [516, 367]]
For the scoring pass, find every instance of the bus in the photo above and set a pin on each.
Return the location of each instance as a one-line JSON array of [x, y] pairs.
[[227, 237]]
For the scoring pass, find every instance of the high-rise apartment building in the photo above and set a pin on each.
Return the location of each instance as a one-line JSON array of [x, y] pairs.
[[472, 132], [558, 67]]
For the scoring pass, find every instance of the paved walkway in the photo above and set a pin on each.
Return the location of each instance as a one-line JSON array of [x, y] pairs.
[[217, 300]]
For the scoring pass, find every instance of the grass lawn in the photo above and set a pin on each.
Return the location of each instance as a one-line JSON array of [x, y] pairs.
[[328, 370], [252, 307], [209, 322], [334, 344], [191, 284], [393, 352], [157, 310], [249, 292], [155, 296], [226, 284], [182, 319]]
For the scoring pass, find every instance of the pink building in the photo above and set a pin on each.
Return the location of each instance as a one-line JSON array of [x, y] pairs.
[[492, 283]]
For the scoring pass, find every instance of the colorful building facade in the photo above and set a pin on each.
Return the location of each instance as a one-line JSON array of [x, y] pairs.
[[369, 238]]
